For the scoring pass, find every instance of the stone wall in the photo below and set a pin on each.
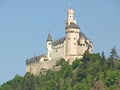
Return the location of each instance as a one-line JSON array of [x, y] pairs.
[[35, 68], [58, 51]]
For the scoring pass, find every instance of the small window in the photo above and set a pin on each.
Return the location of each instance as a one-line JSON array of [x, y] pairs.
[[68, 38], [74, 43], [74, 38], [83, 44], [49, 43]]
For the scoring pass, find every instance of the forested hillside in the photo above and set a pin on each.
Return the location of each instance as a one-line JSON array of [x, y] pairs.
[[93, 72]]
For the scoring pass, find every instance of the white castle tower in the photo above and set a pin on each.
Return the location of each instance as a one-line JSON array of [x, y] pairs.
[[72, 35], [49, 47]]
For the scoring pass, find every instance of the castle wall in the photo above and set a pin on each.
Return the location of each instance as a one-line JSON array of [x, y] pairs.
[[81, 49], [33, 68], [83, 46], [58, 51]]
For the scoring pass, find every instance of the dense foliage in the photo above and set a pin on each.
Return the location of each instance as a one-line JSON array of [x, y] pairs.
[[92, 72]]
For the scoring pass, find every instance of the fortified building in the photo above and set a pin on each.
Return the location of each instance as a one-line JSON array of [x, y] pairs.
[[70, 47]]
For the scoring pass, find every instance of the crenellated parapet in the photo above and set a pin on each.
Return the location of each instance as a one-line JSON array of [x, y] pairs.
[[36, 64], [36, 59]]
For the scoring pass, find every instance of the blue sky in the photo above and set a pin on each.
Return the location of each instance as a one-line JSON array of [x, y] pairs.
[[25, 24]]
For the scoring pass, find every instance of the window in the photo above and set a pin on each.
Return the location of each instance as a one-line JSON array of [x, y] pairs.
[[74, 38], [80, 44], [68, 38], [49, 43]]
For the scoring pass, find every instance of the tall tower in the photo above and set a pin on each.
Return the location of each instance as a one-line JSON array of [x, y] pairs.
[[49, 47], [72, 34]]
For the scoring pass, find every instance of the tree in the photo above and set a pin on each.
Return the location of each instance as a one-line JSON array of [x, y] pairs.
[[29, 82], [85, 60], [60, 62], [103, 63], [5, 87], [66, 70], [75, 63], [17, 82], [113, 54]]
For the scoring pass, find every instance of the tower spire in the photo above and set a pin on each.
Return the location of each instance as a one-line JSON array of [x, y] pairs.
[[49, 37]]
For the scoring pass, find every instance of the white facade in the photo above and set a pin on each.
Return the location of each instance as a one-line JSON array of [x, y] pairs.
[[70, 47], [73, 45]]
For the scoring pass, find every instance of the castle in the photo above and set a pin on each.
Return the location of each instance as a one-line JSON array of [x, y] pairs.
[[70, 47]]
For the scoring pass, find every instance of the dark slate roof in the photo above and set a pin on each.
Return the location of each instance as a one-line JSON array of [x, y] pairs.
[[33, 59], [49, 37], [59, 41], [82, 35], [72, 25]]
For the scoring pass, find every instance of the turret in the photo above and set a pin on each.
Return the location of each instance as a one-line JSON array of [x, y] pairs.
[[49, 47], [70, 19]]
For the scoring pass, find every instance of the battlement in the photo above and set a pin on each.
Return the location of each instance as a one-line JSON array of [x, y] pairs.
[[36, 64], [36, 59]]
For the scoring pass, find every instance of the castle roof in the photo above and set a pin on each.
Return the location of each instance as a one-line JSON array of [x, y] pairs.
[[34, 59], [49, 37], [59, 41], [82, 35], [72, 25]]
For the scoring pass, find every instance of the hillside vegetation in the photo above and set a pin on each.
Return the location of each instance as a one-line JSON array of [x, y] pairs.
[[93, 72]]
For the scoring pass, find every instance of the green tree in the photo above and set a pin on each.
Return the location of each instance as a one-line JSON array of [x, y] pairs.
[[66, 69], [75, 63], [103, 63], [29, 82], [5, 86], [17, 82], [60, 62], [113, 56]]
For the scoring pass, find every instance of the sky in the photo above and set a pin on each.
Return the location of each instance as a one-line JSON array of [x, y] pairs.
[[25, 24]]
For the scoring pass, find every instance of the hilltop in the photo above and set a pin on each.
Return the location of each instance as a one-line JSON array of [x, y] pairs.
[[92, 72]]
